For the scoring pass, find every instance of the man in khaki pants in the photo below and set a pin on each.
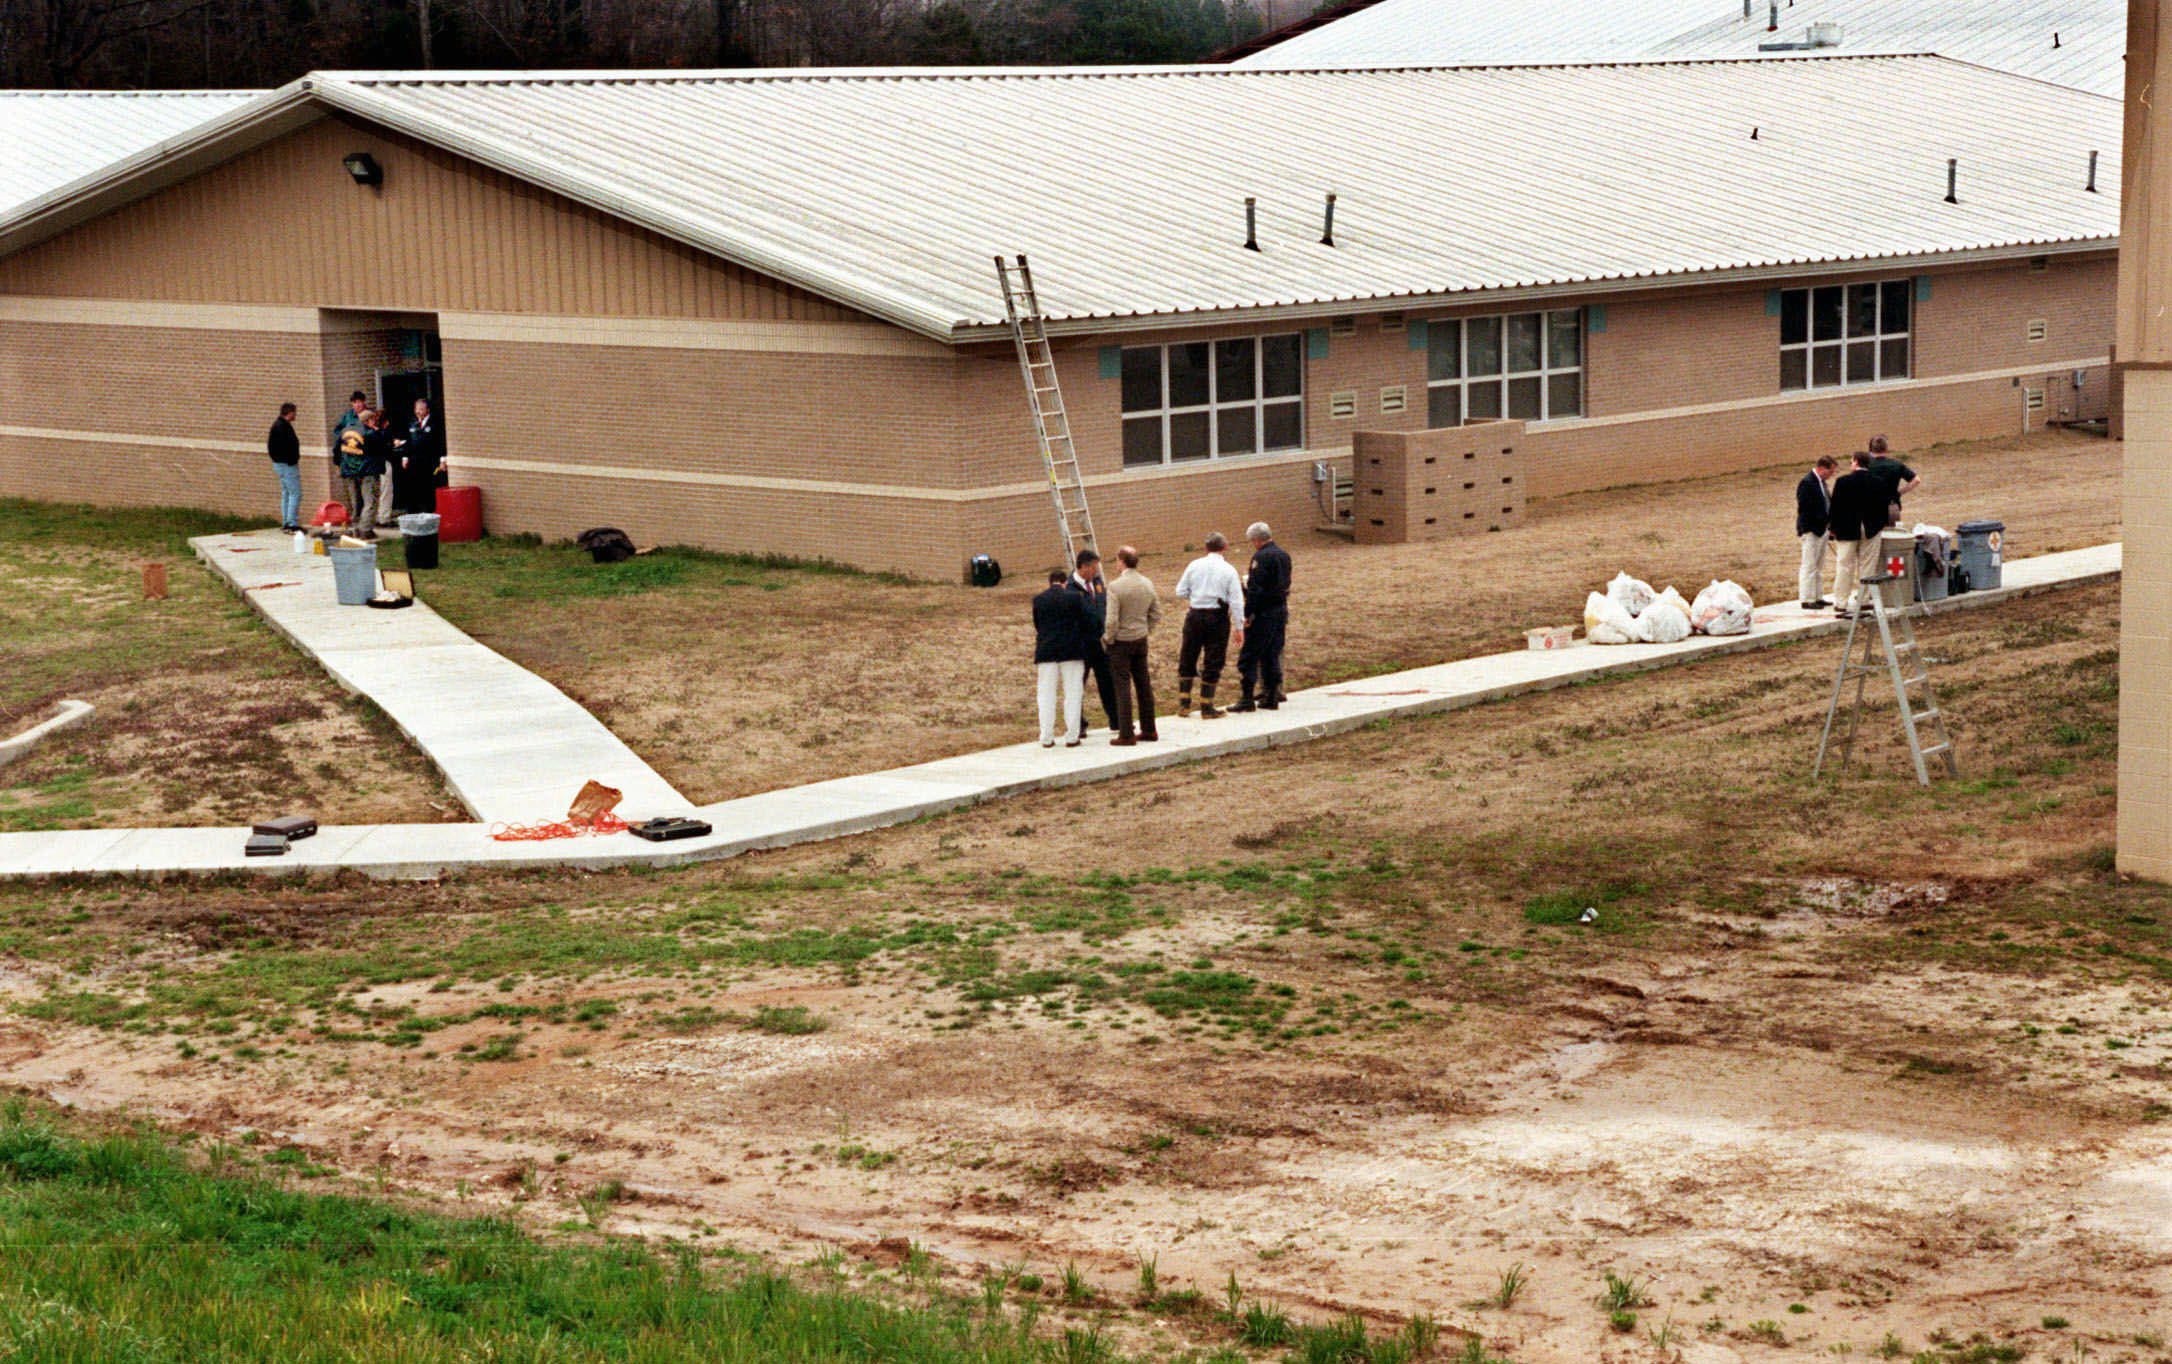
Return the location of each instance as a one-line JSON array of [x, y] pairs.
[[1858, 518], [1134, 608]]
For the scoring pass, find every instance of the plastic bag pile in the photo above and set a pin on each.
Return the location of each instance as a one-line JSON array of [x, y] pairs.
[[1630, 612]]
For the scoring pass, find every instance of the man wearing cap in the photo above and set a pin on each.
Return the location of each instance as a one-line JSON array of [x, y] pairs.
[[1266, 620], [1210, 588]]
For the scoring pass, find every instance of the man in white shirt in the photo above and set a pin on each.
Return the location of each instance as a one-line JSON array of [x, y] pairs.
[[1211, 588]]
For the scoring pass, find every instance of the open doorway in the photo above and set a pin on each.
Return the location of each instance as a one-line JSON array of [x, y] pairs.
[[418, 374]]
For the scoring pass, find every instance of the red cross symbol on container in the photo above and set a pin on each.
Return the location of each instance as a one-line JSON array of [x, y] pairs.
[[1896, 565]]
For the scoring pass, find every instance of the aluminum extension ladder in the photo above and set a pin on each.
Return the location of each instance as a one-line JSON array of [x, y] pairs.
[[1883, 653], [1051, 425]]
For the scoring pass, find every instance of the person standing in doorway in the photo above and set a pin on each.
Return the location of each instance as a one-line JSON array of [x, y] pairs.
[[1089, 582], [420, 470], [350, 420], [1858, 518], [285, 449], [1210, 588], [1059, 658], [1266, 620], [1134, 610], [1813, 522]]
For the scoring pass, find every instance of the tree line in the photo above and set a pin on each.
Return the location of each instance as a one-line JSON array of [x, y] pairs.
[[231, 44]]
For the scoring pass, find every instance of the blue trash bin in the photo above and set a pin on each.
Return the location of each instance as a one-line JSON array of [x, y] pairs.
[[1982, 551], [354, 573]]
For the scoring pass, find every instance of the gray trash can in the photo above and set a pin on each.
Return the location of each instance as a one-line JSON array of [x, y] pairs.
[[1983, 550], [354, 573], [1934, 572], [1892, 545]]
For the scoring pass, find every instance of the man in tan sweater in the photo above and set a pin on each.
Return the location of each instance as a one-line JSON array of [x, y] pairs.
[[1134, 609]]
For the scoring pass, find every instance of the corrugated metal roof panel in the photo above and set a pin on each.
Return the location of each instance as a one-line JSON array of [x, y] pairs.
[[52, 138], [2078, 43], [894, 190]]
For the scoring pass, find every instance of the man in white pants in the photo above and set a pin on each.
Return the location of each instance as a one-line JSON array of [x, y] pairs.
[[1813, 526], [1061, 628]]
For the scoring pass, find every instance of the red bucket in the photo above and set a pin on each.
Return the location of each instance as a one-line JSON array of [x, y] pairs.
[[459, 514]]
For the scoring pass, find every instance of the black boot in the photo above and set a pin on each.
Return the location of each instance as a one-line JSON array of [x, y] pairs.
[[1245, 704], [1206, 703], [1184, 697]]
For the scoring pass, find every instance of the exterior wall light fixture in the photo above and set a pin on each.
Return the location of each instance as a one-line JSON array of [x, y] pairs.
[[364, 168]]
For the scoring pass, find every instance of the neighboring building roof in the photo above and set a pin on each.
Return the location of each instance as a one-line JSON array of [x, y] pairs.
[[893, 191], [50, 138], [2079, 43], [1474, 32]]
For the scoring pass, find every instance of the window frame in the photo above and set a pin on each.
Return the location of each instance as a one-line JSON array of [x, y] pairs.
[[1215, 409], [1878, 339], [1545, 374]]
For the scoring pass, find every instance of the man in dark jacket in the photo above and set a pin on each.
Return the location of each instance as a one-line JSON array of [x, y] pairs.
[[1897, 477], [285, 449], [1266, 621], [1059, 656], [1089, 583], [419, 470], [1813, 518], [1858, 518]]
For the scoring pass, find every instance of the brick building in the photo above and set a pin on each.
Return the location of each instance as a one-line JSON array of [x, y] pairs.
[[758, 311]]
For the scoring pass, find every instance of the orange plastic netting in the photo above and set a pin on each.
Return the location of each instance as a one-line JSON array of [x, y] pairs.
[[605, 823]]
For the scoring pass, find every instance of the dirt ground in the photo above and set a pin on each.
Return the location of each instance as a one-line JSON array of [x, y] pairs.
[[744, 681], [1849, 1068], [203, 715]]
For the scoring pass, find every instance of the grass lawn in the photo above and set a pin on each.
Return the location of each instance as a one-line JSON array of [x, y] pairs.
[[204, 715], [732, 675]]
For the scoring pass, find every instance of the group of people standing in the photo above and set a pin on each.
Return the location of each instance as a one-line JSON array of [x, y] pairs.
[[377, 474], [1847, 514], [1084, 624]]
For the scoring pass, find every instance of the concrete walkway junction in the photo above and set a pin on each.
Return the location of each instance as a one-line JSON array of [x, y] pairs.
[[516, 749]]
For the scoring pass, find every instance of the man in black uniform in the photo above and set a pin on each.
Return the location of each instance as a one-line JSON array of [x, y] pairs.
[[1267, 617], [1088, 582]]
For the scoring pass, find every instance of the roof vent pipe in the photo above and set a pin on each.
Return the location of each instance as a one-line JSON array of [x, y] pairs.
[[1753, 134], [1251, 224], [2055, 39], [2092, 185], [1327, 234], [1953, 179], [1774, 25], [1745, 10]]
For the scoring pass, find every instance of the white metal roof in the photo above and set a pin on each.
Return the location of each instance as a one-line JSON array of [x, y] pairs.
[[2080, 43], [893, 191], [49, 138]]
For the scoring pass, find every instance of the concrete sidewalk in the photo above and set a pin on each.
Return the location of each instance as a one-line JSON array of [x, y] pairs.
[[850, 805], [512, 747]]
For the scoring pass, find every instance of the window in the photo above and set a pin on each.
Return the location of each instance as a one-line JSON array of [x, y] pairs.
[[1525, 366], [1844, 334], [1210, 399]]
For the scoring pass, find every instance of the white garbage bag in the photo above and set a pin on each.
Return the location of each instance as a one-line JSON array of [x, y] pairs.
[[1634, 594], [1723, 608], [1605, 622], [1664, 621]]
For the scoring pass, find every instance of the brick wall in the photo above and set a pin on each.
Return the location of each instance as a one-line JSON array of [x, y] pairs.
[[150, 416]]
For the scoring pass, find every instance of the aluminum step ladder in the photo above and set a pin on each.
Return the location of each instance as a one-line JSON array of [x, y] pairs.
[[1885, 652], [1044, 396]]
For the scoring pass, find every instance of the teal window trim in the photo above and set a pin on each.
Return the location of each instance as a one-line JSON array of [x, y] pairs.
[[1595, 318], [1923, 288], [1415, 333], [1112, 362], [1772, 302], [1316, 343]]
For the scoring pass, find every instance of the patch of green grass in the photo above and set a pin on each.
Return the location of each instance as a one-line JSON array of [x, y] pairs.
[[793, 1020], [125, 1251]]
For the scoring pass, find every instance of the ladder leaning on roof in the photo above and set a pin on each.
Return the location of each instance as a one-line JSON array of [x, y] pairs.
[[1044, 396]]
